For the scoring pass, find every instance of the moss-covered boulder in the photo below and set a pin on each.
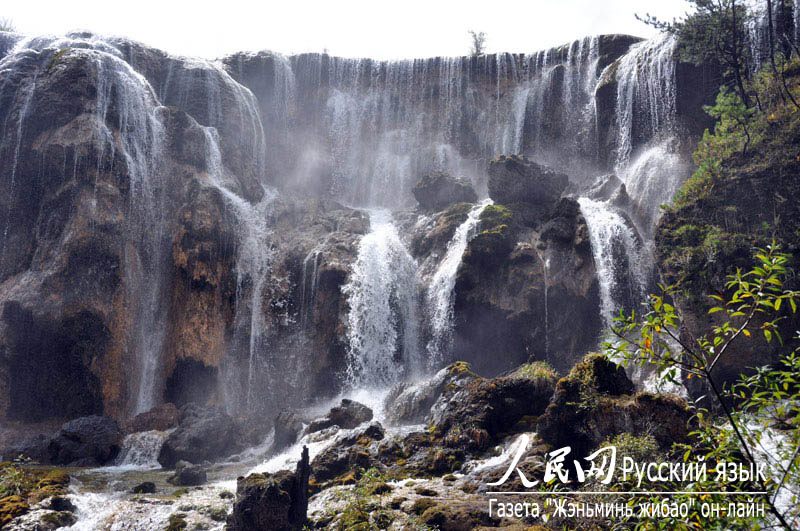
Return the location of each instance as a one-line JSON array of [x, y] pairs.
[[597, 401], [486, 409], [272, 501]]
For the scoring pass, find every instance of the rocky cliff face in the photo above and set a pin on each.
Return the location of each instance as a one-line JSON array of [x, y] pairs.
[[90, 226], [527, 288], [144, 258]]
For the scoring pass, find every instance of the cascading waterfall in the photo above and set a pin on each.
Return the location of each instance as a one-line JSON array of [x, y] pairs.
[[140, 144], [383, 315], [646, 96], [375, 127], [253, 266], [385, 123], [796, 13], [617, 258], [646, 108], [308, 285], [142, 140], [440, 296]]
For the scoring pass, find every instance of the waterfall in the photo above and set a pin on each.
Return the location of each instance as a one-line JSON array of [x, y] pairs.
[[125, 95], [617, 258], [653, 177], [253, 265], [308, 285], [23, 115], [372, 128], [383, 316], [648, 160], [646, 95], [440, 296], [796, 15], [141, 449]]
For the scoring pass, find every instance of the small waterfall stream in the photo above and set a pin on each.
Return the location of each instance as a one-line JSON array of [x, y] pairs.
[[141, 449], [23, 115], [253, 266], [440, 296], [617, 258]]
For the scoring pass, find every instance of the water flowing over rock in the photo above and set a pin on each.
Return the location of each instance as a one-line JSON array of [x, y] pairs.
[[145, 254], [440, 296], [618, 258], [382, 295], [384, 123], [141, 449]]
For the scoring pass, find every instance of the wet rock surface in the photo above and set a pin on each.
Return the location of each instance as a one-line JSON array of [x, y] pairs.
[[346, 415], [527, 289], [515, 180], [204, 433], [187, 475], [161, 418], [86, 441], [597, 401], [272, 501], [438, 190]]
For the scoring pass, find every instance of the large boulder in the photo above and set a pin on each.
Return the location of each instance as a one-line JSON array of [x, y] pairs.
[[412, 403], [287, 428], [86, 441], [486, 409], [346, 415], [348, 454], [519, 180], [597, 401], [204, 433], [527, 289], [278, 502], [188, 475], [438, 190], [161, 418]]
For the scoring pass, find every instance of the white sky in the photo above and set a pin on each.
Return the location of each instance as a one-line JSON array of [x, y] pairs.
[[351, 28]]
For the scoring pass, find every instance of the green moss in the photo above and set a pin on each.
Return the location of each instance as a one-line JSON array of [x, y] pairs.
[[54, 60], [11, 507], [537, 370], [176, 522], [640, 448], [495, 214], [22, 486], [460, 367], [421, 505]]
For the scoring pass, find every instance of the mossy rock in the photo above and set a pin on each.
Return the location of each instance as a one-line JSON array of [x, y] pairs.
[[421, 505], [537, 370], [379, 489], [12, 507], [176, 522]]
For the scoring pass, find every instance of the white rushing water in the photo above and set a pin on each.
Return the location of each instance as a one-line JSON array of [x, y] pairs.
[[140, 450], [382, 124], [617, 257], [646, 93], [440, 296], [383, 317]]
